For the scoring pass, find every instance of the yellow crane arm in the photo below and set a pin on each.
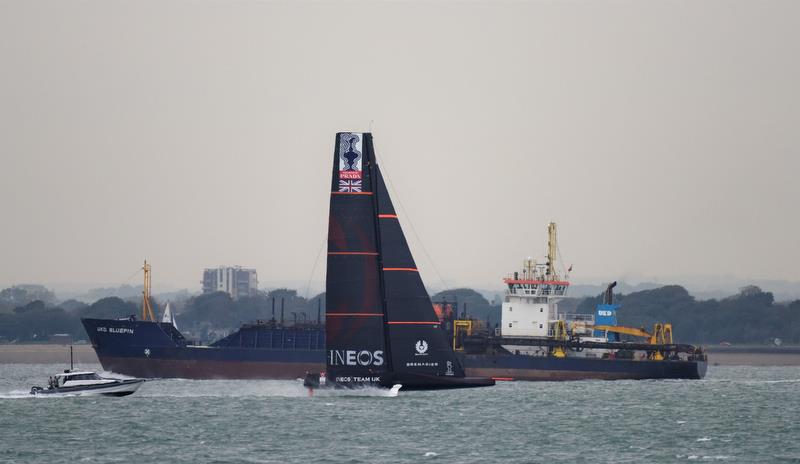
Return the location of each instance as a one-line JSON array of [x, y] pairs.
[[623, 330], [668, 334]]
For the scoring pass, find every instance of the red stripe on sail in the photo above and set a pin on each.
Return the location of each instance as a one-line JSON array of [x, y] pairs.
[[354, 314], [366, 253], [408, 269], [413, 323]]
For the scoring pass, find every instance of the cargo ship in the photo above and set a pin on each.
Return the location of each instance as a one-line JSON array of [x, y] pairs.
[[536, 341], [151, 348]]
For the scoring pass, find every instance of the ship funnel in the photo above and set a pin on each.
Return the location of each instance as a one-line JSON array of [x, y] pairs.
[[606, 313], [608, 297]]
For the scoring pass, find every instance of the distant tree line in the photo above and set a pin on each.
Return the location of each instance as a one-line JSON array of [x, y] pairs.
[[20, 295], [752, 316], [203, 317], [37, 321]]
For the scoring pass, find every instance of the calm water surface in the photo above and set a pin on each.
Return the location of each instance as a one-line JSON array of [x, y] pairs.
[[737, 414]]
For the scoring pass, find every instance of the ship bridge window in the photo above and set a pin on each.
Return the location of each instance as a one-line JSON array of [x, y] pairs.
[[509, 324]]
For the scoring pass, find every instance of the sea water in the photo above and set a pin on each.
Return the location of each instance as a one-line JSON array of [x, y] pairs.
[[736, 414]]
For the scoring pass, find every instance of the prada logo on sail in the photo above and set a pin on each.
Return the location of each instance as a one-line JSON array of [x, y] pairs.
[[355, 358], [350, 156]]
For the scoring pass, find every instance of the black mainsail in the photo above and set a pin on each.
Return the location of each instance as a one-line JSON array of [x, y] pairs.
[[381, 328]]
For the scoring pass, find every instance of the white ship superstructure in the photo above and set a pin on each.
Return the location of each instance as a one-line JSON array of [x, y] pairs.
[[530, 307]]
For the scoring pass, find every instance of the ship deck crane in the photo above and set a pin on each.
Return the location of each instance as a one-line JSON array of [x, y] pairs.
[[661, 335], [147, 308], [561, 334]]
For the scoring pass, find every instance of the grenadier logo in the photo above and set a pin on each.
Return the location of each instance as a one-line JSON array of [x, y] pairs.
[[422, 347], [350, 157]]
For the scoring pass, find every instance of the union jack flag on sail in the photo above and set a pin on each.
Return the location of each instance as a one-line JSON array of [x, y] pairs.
[[349, 186]]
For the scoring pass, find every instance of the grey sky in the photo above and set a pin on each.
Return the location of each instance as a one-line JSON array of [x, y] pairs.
[[661, 136]]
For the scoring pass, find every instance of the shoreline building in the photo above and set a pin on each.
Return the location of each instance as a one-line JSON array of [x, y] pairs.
[[233, 280]]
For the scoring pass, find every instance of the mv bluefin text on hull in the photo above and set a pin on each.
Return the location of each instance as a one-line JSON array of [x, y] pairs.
[[124, 330]]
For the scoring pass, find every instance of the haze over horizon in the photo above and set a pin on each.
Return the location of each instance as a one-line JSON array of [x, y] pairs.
[[195, 134]]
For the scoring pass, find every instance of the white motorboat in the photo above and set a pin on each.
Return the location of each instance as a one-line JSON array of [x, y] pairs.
[[84, 383], [81, 383]]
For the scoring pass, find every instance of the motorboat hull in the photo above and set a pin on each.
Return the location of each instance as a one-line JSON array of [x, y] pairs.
[[118, 388]]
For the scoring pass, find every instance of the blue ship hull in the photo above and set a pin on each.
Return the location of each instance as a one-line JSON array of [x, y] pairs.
[[158, 350]]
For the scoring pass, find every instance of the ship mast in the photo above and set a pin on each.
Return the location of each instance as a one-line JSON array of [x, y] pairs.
[[552, 247], [147, 310]]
